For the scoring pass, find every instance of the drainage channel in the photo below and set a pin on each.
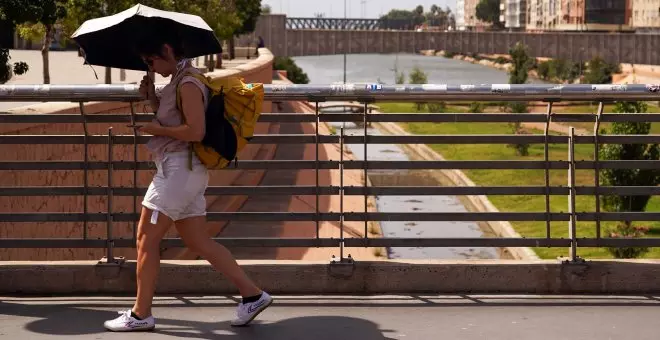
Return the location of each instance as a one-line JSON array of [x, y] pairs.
[[417, 229]]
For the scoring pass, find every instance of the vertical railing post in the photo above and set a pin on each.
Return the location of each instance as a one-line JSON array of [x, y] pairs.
[[547, 170], [316, 168], [366, 179], [341, 195], [571, 194], [597, 166], [135, 165], [85, 170], [110, 193]]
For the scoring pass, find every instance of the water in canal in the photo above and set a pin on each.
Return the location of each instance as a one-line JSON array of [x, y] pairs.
[[372, 68]]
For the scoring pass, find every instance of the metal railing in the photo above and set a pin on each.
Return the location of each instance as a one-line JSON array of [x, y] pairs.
[[363, 93]]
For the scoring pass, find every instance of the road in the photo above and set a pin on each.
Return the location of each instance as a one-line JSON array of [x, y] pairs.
[[345, 317]]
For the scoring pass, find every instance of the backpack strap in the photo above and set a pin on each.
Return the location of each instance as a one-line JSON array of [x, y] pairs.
[[183, 116]]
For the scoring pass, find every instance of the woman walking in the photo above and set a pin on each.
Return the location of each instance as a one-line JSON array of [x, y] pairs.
[[176, 193]]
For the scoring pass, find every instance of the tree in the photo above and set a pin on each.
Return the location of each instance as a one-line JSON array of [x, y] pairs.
[[489, 11], [519, 74], [265, 10], [248, 12], [599, 71], [79, 11], [29, 15], [628, 177], [220, 15], [47, 13], [417, 76], [293, 72]]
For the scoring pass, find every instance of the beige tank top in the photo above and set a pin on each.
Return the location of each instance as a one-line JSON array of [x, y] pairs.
[[169, 115]]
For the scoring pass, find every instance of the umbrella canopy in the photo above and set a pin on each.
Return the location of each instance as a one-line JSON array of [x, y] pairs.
[[110, 41]]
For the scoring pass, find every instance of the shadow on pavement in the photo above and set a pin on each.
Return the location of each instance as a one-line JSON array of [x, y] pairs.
[[72, 321], [303, 328]]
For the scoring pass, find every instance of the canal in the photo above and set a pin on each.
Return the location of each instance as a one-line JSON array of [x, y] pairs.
[[374, 68]]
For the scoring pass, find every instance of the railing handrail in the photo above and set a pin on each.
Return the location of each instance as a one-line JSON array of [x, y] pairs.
[[363, 92]]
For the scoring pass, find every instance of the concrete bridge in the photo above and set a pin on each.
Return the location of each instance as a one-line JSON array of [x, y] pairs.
[[69, 184], [284, 38]]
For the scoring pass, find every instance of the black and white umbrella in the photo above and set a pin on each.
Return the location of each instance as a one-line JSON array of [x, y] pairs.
[[109, 41]]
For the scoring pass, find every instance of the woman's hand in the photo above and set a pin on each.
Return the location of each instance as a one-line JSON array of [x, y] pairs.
[[147, 88], [154, 128]]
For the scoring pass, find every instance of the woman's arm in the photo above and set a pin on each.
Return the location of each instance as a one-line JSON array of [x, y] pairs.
[[192, 104]]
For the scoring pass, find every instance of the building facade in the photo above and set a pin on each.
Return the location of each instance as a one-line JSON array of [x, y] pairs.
[[460, 15], [580, 15], [514, 14], [645, 15], [466, 16]]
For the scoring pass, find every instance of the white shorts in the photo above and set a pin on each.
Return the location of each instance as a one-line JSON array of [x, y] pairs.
[[176, 191]]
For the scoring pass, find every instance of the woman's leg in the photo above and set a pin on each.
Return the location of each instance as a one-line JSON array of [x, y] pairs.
[[254, 299], [194, 235], [148, 259]]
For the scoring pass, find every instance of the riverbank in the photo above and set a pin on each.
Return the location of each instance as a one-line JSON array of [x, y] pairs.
[[630, 74], [522, 203]]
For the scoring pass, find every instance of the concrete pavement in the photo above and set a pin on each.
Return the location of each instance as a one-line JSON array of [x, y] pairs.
[[345, 317]]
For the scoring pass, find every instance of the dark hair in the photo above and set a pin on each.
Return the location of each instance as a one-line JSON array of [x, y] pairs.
[[151, 43]]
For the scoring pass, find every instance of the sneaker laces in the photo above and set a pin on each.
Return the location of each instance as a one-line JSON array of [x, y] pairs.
[[125, 314], [241, 310]]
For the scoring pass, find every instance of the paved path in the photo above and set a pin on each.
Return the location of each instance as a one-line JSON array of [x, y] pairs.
[[346, 317]]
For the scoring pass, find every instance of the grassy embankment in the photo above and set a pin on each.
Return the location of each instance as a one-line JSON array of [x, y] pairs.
[[528, 177]]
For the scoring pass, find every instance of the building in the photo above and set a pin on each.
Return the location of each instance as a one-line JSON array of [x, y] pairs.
[[534, 15], [513, 13], [580, 15], [466, 16], [460, 15], [645, 15]]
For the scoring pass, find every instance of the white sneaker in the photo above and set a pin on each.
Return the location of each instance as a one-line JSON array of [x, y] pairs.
[[126, 323], [245, 313]]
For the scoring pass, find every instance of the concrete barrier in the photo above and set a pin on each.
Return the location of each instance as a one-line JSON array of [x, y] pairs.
[[373, 277]]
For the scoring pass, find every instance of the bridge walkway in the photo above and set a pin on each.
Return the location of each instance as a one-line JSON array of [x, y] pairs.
[[345, 317]]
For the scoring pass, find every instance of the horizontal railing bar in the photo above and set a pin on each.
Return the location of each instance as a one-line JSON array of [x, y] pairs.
[[498, 117], [144, 165], [334, 139], [168, 242], [348, 216], [428, 190], [619, 164], [618, 242], [451, 216], [348, 242], [374, 165], [619, 216], [211, 190], [618, 190], [422, 165], [334, 190], [129, 139], [350, 117], [130, 217], [355, 92], [456, 242]]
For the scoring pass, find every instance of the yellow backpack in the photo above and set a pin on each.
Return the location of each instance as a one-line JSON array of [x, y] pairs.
[[232, 113]]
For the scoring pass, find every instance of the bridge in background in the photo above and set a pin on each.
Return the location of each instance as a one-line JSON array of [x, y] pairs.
[[317, 36]]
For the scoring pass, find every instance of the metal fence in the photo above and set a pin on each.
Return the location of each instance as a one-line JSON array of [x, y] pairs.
[[366, 94]]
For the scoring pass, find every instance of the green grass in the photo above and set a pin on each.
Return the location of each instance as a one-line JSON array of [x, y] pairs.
[[587, 108], [525, 177]]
